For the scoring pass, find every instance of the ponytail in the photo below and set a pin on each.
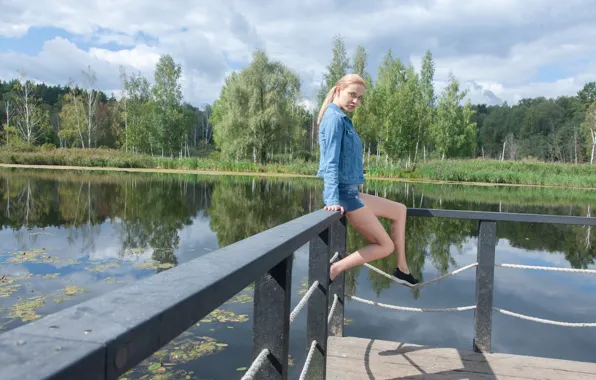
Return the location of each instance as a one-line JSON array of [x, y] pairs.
[[328, 99]]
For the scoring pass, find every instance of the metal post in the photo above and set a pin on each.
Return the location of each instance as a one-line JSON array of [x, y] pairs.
[[485, 274], [338, 244], [316, 322], [271, 326]]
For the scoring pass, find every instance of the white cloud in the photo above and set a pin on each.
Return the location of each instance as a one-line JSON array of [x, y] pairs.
[[494, 48]]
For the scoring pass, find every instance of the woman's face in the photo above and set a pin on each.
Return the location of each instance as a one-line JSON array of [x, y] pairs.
[[350, 97]]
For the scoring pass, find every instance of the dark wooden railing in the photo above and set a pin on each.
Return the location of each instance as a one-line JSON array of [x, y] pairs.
[[104, 337]]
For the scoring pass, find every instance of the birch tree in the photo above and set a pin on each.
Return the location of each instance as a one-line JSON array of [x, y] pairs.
[[426, 102], [30, 116], [590, 127], [90, 96]]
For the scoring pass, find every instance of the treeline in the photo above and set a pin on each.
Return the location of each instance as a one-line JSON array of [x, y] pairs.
[[258, 117], [148, 118]]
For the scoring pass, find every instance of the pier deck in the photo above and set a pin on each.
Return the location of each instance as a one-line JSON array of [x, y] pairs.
[[352, 358]]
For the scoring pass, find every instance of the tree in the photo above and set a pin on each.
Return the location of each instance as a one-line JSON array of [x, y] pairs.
[[587, 95], [254, 114], [90, 96], [426, 101], [453, 132], [31, 120], [168, 132], [590, 127], [337, 68]]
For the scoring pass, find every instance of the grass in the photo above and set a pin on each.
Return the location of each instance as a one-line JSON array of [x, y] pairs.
[[471, 170]]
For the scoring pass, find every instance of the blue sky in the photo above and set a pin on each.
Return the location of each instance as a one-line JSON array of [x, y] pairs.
[[502, 50]]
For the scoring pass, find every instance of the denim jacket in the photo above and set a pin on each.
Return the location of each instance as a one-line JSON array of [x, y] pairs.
[[341, 153]]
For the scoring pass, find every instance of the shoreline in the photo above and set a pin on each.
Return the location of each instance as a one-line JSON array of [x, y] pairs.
[[273, 174]]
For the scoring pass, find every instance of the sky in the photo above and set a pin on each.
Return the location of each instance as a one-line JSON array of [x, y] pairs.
[[500, 50]]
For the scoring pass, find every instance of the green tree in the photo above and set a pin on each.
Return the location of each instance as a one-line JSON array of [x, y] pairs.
[[426, 102], [255, 112], [337, 68], [453, 132], [168, 131]]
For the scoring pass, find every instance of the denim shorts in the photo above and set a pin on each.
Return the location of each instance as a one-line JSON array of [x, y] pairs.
[[349, 197]]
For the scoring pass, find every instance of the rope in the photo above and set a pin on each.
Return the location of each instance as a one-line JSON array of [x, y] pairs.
[[415, 309], [554, 269], [545, 321], [256, 365], [334, 257], [424, 283], [303, 301], [335, 301], [308, 360]]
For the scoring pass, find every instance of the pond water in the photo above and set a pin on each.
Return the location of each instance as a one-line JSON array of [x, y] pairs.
[[69, 236]]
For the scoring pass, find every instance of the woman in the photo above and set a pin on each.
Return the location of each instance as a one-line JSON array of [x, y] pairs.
[[341, 169]]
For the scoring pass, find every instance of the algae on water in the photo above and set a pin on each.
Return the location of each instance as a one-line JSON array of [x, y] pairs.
[[25, 309], [224, 316]]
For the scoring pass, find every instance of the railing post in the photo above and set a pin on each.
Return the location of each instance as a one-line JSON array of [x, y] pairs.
[[338, 244], [485, 274], [316, 322], [271, 326]]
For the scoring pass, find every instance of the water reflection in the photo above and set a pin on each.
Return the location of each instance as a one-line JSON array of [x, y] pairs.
[[104, 230]]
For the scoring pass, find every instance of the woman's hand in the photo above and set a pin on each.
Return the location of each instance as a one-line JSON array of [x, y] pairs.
[[334, 208]]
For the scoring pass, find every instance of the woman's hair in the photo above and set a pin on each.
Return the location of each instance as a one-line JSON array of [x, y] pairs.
[[343, 82]]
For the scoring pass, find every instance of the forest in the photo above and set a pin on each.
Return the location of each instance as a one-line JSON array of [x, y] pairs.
[[258, 117]]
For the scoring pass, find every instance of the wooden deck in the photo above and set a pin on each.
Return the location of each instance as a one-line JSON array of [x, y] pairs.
[[363, 359]]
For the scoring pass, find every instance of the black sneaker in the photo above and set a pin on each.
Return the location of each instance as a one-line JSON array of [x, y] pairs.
[[405, 279]]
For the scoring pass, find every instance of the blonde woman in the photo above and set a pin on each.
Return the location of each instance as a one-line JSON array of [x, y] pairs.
[[341, 169]]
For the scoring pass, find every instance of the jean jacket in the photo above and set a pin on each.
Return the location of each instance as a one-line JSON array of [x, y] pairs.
[[341, 153]]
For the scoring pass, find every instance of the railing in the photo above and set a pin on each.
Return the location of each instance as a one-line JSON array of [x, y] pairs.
[[104, 337], [485, 269]]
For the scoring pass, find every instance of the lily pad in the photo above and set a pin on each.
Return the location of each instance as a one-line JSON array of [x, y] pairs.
[[193, 349], [24, 309], [71, 290], [37, 256], [103, 267], [8, 285], [154, 366], [152, 265], [241, 298], [224, 316]]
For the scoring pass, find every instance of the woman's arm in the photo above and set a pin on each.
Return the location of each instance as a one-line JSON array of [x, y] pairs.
[[333, 131]]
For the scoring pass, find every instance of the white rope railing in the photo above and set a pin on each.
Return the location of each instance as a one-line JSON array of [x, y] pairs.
[[553, 269], [313, 345], [545, 321], [462, 269], [256, 365], [333, 306], [334, 257], [303, 301], [414, 309]]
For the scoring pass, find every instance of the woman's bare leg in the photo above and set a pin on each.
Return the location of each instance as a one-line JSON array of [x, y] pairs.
[[366, 223], [397, 212]]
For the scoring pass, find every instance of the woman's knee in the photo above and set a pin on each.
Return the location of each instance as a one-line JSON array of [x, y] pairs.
[[387, 247], [400, 211]]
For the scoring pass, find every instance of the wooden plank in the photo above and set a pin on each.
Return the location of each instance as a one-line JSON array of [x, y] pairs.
[[359, 358]]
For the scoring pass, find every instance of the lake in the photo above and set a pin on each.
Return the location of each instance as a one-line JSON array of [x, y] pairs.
[[67, 236]]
